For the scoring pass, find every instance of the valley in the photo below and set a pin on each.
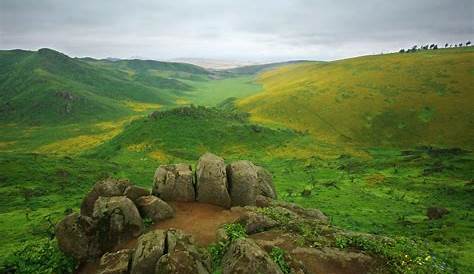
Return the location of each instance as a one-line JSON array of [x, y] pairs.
[[372, 141]]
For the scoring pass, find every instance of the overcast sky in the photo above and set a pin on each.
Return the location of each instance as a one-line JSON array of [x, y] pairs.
[[257, 30]]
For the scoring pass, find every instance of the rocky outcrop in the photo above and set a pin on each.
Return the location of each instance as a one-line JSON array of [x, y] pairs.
[[115, 262], [265, 183], [245, 256], [77, 237], [154, 208], [244, 182], [211, 181], [106, 188], [254, 222], [134, 192], [174, 183], [150, 247], [183, 256], [118, 221]]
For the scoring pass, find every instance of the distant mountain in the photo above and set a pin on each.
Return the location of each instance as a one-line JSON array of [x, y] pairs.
[[214, 64], [46, 86], [422, 98], [254, 69]]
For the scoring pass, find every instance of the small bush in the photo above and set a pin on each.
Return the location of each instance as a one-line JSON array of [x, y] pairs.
[[40, 257], [278, 256]]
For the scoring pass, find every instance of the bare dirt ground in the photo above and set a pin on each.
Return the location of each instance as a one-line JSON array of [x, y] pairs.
[[198, 219]]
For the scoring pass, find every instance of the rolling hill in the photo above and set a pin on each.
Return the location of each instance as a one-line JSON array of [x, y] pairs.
[[47, 86], [400, 100]]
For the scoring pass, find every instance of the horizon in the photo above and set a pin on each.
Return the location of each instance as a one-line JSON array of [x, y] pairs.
[[260, 32]]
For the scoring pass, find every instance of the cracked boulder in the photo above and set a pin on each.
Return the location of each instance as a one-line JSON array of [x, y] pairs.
[[265, 183], [150, 247], [174, 183], [118, 221], [154, 208], [106, 188], [211, 181], [77, 237], [245, 256], [243, 183], [183, 256], [117, 262]]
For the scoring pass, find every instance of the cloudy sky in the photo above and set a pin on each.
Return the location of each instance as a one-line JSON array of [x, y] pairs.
[[257, 30]]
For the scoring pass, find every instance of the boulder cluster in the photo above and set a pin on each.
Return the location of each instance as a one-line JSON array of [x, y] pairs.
[[237, 184], [113, 213]]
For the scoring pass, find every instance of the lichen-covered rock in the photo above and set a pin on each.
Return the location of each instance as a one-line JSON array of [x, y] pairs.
[[135, 192], [150, 247], [180, 262], [154, 208], [77, 237], [183, 255], [174, 183], [265, 183], [243, 183], [106, 188], [312, 213], [211, 181], [117, 262], [245, 256], [118, 221], [254, 222]]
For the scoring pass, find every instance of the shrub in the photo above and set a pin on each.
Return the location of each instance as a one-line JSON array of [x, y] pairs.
[[39, 257], [278, 256]]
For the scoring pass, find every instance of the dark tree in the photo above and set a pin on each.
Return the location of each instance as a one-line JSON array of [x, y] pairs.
[[435, 47], [402, 51], [468, 43], [446, 45]]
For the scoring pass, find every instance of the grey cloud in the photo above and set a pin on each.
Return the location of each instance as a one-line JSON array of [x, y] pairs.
[[245, 29]]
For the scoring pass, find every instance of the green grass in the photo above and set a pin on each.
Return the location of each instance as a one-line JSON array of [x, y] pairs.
[[366, 186]]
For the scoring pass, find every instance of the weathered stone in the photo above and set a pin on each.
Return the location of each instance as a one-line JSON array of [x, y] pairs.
[[174, 183], [180, 262], [254, 222], [117, 262], [263, 201], [245, 256], [154, 208], [106, 188], [183, 255], [265, 183], [118, 221], [77, 237], [135, 192], [211, 183], [312, 213], [150, 247], [434, 213], [243, 183]]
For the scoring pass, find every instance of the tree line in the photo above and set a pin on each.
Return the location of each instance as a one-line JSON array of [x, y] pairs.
[[435, 47]]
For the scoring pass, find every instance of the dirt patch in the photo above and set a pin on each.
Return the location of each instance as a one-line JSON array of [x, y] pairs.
[[198, 219]]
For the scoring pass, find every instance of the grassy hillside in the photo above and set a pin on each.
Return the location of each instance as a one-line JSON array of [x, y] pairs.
[[383, 191], [49, 87], [385, 100]]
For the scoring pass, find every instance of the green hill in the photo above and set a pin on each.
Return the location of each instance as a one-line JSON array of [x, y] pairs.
[[401, 100], [49, 87]]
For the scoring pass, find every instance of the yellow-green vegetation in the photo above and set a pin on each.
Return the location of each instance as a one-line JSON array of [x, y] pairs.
[[400, 100]]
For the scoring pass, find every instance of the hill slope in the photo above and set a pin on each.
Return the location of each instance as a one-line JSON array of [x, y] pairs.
[[48, 86], [390, 100]]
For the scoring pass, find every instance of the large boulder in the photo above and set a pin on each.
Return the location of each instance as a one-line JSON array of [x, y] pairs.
[[174, 183], [106, 188], [265, 183], [115, 262], [254, 222], [245, 256], [154, 208], [211, 181], [135, 192], [150, 247], [243, 183], [183, 256], [118, 221], [77, 237]]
